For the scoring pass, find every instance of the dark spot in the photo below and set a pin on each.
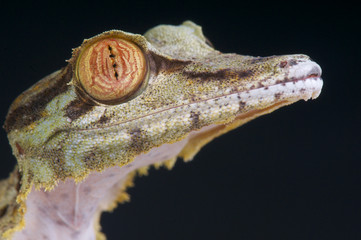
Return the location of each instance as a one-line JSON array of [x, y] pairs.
[[209, 43], [77, 108], [91, 160], [19, 148], [116, 75], [18, 180], [257, 60], [292, 62], [30, 110], [244, 74], [283, 64], [136, 133], [110, 48], [195, 120], [90, 157], [302, 90], [218, 75], [277, 96], [103, 119], [112, 56], [160, 64], [260, 85], [241, 106], [3, 210], [114, 65], [60, 223], [138, 143]]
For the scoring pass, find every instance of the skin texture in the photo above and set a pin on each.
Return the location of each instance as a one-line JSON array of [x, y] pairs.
[[77, 151]]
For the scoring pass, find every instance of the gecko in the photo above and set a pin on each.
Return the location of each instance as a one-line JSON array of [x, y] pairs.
[[125, 102]]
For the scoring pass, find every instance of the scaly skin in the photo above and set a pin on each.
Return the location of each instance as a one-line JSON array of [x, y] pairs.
[[68, 144]]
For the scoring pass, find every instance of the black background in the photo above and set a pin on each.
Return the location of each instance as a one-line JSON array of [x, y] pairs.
[[293, 174]]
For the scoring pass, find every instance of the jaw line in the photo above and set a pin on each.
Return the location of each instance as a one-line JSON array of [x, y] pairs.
[[253, 93]]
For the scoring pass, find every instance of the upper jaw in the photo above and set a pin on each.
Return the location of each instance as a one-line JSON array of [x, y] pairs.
[[306, 76], [304, 70]]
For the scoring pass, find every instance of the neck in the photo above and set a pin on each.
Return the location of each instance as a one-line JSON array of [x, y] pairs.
[[72, 210]]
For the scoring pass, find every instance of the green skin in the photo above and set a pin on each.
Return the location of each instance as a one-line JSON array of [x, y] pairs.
[[192, 93]]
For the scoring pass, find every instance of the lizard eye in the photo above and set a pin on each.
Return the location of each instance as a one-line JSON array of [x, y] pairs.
[[111, 70]]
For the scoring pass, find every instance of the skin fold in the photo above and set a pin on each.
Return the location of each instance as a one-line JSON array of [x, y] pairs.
[[80, 141]]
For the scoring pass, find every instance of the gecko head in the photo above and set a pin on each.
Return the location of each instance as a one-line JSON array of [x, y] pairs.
[[123, 95]]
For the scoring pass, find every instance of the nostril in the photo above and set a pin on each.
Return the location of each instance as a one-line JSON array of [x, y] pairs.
[[288, 63], [304, 70], [315, 72], [283, 64]]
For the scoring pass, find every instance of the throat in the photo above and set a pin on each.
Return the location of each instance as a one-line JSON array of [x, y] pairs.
[[72, 210]]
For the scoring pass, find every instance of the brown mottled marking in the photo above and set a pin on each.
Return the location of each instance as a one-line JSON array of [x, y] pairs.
[[91, 160], [3, 210], [242, 105], [103, 119], [19, 148], [29, 111], [138, 142], [136, 134], [220, 74], [260, 85], [277, 96], [61, 223], [292, 62], [160, 64], [195, 120], [77, 108]]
